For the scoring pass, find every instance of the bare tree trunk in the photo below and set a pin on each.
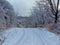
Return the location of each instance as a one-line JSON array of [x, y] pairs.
[[56, 14], [56, 18], [54, 8]]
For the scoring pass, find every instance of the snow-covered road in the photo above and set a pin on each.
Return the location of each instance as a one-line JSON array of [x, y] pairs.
[[30, 36]]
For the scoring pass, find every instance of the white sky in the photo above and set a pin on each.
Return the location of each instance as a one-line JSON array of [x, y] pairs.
[[22, 6]]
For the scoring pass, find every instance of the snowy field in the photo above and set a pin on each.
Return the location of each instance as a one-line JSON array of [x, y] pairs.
[[30, 36]]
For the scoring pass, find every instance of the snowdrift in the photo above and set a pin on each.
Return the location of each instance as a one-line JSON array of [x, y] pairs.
[[30, 36]]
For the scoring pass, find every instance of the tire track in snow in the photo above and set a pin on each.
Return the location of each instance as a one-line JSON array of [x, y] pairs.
[[45, 37], [38, 35], [21, 39]]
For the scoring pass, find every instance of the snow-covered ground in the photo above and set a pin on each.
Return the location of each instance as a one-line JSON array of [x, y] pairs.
[[30, 36]]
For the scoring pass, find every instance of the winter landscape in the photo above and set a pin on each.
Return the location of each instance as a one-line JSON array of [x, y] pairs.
[[29, 22]]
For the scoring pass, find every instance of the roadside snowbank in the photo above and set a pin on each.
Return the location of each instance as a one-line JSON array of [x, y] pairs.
[[30, 36]]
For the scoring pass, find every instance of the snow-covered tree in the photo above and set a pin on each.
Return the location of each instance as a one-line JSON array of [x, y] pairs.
[[8, 13], [41, 13]]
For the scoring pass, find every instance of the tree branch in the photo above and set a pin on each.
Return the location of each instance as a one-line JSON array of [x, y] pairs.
[[51, 5]]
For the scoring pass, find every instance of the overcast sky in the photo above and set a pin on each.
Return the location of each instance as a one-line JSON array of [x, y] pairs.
[[22, 6]]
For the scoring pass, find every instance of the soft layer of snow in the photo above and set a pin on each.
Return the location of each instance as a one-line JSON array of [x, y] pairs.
[[30, 36]]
